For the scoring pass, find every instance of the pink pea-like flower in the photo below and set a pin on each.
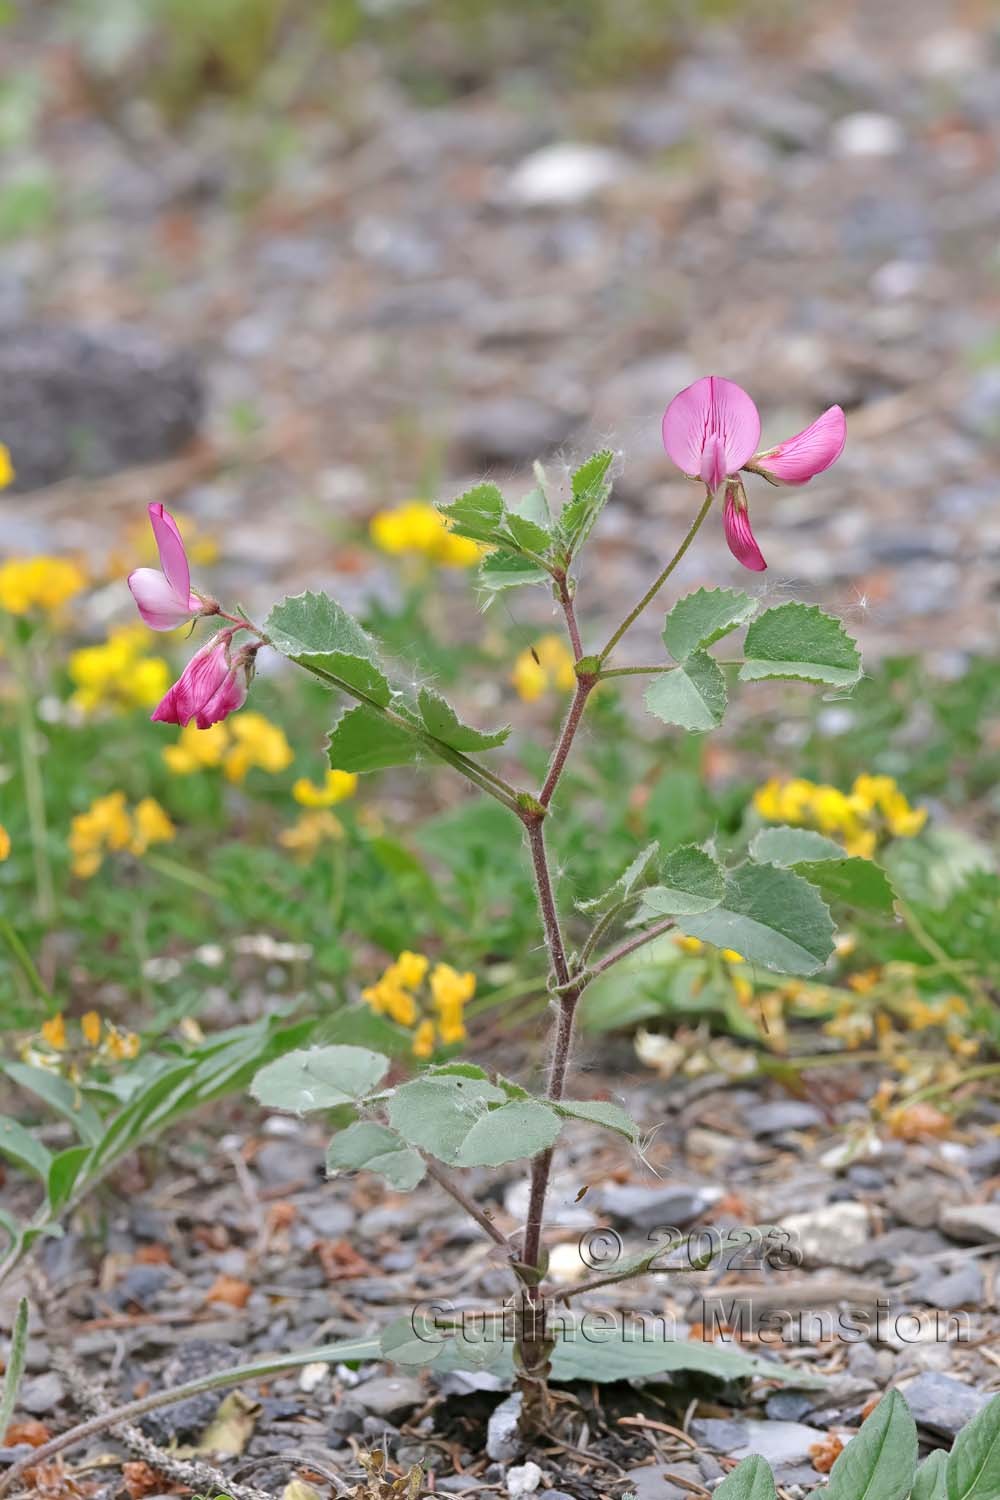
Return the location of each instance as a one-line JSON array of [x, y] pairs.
[[212, 686], [711, 429], [164, 595]]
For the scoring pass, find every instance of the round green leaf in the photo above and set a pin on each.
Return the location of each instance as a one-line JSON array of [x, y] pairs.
[[799, 641], [692, 695], [690, 882], [520, 1129], [705, 616], [772, 916], [437, 1112], [319, 1078]]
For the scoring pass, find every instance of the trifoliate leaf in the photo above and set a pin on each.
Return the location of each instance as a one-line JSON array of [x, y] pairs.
[[519, 1129], [631, 877], [441, 720], [705, 616], [507, 570], [841, 877], [319, 1078], [313, 629], [591, 489], [692, 695], [800, 642], [477, 513], [362, 740], [371, 1147], [772, 917], [690, 881]]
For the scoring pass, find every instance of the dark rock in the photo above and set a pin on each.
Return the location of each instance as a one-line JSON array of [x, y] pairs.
[[942, 1404], [344, 1419], [866, 1179], [654, 1207], [784, 1114], [948, 1289], [511, 429], [187, 1418], [378, 1427], [390, 1396], [724, 1437], [80, 403], [788, 1406], [331, 1220], [141, 1284], [287, 1160], [985, 1158]]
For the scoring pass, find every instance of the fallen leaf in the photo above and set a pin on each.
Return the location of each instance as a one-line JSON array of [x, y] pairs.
[[231, 1428], [340, 1260], [152, 1255], [915, 1122], [229, 1289], [141, 1480], [824, 1454], [297, 1489], [30, 1431]]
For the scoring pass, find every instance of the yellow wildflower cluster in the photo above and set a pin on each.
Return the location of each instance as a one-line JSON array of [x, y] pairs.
[[887, 1006], [695, 948], [109, 826], [7, 475], [418, 529], [237, 745], [310, 831], [336, 787], [44, 584], [100, 1041], [118, 674], [402, 995], [872, 810], [4, 843], [548, 663]]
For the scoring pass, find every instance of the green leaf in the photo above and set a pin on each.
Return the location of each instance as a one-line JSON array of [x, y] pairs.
[[750, 1480], [15, 1364], [690, 882], [799, 641], [527, 535], [693, 695], [506, 570], [701, 618], [516, 1130], [64, 1170], [441, 720], [362, 740], [63, 1097], [632, 876], [375, 1148], [840, 877], [931, 1481], [791, 846], [599, 1112], [412, 1340], [773, 917], [626, 1357], [880, 1462], [437, 1112], [478, 513], [319, 1078], [314, 630], [973, 1469], [591, 489], [21, 1147]]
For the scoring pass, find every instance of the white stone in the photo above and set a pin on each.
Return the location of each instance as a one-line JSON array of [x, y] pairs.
[[523, 1480], [867, 134], [564, 175]]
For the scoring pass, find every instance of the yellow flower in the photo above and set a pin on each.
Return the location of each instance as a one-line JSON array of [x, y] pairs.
[[39, 583], [4, 843], [337, 787], [423, 1040], [690, 944], [151, 824], [256, 742], [409, 970], [90, 1026], [121, 1046], [549, 663], [311, 830], [197, 749], [448, 987], [393, 995], [118, 674], [731, 956], [54, 1033], [7, 475], [873, 809], [419, 529]]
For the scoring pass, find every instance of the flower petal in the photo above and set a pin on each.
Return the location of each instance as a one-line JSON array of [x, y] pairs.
[[739, 534], [228, 697], [173, 558], [161, 608], [711, 426], [809, 452], [197, 685]]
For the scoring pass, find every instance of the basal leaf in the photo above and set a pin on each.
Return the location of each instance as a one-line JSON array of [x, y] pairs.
[[627, 1353], [880, 1462], [772, 917], [692, 695], [630, 878], [599, 1112], [64, 1170], [591, 489], [362, 740], [973, 1468], [441, 720], [519, 1129], [24, 1149], [690, 882], [750, 1480], [931, 1482], [799, 641], [705, 616], [371, 1147], [319, 1078], [478, 513], [313, 629]]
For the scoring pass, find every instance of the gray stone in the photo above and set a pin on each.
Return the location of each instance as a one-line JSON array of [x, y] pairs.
[[41, 1393], [948, 1289], [186, 1419], [464, 1484], [564, 175], [651, 1483], [331, 1220], [782, 1115], [390, 1396], [511, 429], [503, 1441], [912, 1203], [985, 1157], [778, 1442], [828, 1236], [942, 1404], [281, 1161], [79, 403], [978, 1223], [722, 1436], [788, 1406], [344, 1419], [666, 1206]]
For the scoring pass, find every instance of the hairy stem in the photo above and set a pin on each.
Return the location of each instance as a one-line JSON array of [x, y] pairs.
[[623, 951], [658, 582], [584, 687], [565, 594]]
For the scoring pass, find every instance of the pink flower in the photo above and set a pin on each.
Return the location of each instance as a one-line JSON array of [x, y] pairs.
[[799, 458], [711, 429], [164, 597], [212, 685], [739, 534]]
